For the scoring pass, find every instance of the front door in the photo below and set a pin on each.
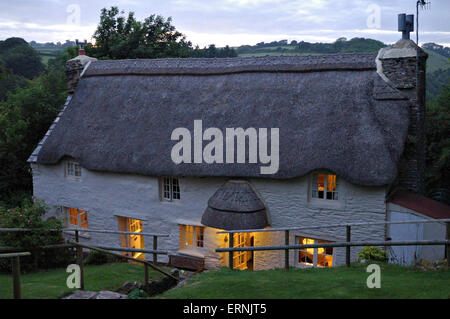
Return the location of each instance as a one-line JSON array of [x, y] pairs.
[[243, 260], [132, 241]]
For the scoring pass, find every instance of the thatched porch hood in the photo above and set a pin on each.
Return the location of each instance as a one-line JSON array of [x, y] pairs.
[[235, 206], [334, 112]]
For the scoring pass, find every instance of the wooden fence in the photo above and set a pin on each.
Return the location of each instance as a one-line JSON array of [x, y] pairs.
[[347, 244], [16, 252]]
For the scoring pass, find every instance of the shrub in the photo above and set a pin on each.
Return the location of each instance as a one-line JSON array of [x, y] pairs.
[[48, 232], [96, 258], [99, 258], [372, 253]]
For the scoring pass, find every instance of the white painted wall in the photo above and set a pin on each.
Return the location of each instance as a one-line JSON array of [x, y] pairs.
[[108, 195], [407, 255]]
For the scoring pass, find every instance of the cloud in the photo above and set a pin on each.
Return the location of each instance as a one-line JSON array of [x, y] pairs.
[[233, 22]]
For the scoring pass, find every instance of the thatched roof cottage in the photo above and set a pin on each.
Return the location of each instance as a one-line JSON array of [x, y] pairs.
[[342, 123]]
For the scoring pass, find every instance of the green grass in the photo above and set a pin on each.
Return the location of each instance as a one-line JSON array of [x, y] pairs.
[[339, 282], [52, 284]]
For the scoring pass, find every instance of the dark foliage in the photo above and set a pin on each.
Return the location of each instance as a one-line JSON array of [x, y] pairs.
[[20, 58], [438, 140], [30, 215]]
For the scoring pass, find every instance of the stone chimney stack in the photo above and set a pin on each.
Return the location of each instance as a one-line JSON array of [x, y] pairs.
[[396, 64], [74, 67]]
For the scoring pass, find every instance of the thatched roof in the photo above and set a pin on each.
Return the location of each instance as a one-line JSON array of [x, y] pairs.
[[235, 206], [334, 112]]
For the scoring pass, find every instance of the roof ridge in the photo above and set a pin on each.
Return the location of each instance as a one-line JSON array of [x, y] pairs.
[[214, 66]]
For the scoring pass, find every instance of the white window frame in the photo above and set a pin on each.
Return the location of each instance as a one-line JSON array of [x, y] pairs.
[[324, 202], [170, 189], [315, 252], [195, 241], [73, 173], [72, 226]]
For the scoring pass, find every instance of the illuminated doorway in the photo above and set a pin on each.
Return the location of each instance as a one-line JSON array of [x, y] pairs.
[[243, 260], [132, 241]]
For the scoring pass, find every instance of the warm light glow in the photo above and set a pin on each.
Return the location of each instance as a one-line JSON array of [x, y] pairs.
[[324, 186], [78, 217], [136, 241], [320, 257]]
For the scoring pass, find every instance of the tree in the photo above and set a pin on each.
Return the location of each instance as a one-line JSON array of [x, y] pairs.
[[24, 118], [120, 38], [438, 140], [18, 56]]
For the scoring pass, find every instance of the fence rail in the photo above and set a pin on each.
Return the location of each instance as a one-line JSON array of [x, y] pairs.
[[422, 221], [347, 244], [15, 266], [16, 252]]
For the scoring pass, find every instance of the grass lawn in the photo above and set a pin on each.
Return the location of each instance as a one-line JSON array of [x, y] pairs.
[[339, 282], [52, 283]]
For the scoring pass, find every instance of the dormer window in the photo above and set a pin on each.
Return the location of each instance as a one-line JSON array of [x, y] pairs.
[[324, 186], [170, 189], [73, 170]]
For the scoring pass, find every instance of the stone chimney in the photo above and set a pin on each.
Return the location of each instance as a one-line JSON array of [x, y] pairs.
[[396, 64], [74, 68]]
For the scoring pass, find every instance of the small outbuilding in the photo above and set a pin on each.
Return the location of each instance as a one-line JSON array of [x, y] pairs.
[[408, 206]]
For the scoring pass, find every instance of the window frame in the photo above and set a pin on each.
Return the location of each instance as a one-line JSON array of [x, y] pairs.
[[197, 236], [324, 202], [170, 189], [76, 175], [316, 253], [80, 212]]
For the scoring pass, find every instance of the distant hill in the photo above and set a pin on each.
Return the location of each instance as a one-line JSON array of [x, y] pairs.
[[20, 58], [437, 48], [341, 45]]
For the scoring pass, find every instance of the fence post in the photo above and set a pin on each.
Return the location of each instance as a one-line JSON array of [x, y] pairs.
[[230, 254], [447, 246], [286, 251], [155, 247], [347, 249], [80, 263], [15, 263]]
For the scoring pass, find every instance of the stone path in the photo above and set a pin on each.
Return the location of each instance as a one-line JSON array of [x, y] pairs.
[[104, 294]]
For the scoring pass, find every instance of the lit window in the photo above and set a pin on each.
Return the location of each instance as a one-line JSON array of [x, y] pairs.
[[317, 257], [170, 189], [324, 186], [77, 218], [193, 236], [73, 169]]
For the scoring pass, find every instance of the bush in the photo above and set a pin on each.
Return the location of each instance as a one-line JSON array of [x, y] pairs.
[[96, 258], [99, 258], [373, 254], [48, 232]]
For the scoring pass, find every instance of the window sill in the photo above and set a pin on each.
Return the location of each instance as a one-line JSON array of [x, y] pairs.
[[325, 204]]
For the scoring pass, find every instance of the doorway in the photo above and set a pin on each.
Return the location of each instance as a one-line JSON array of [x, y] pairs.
[[132, 241], [243, 260]]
